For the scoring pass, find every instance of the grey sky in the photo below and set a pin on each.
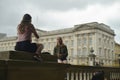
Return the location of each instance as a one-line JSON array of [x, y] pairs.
[[56, 14]]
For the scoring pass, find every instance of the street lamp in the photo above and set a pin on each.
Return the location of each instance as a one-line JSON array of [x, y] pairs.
[[91, 50], [92, 57]]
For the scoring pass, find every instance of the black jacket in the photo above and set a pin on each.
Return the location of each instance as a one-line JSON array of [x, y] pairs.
[[62, 49]]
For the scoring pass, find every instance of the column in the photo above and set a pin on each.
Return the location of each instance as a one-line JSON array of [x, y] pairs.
[[75, 47]]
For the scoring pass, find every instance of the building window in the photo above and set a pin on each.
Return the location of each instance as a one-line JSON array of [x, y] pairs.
[[79, 42], [112, 55], [45, 45], [49, 45], [105, 42], [111, 44], [100, 51], [72, 43], [105, 53], [79, 52], [66, 43], [52, 44], [72, 52], [90, 41], [99, 41], [108, 53], [84, 41], [78, 35], [84, 51]]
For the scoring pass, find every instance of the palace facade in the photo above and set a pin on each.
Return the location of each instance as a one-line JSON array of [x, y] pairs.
[[81, 40], [117, 54]]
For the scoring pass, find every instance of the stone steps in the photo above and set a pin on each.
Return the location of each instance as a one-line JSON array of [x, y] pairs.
[[21, 55]]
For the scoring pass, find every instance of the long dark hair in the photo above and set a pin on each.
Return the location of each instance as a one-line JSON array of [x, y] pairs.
[[26, 21]]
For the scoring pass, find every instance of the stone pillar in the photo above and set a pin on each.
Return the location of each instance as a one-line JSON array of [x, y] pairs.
[[75, 48]]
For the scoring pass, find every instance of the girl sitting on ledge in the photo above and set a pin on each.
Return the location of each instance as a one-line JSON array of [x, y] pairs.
[[24, 41]]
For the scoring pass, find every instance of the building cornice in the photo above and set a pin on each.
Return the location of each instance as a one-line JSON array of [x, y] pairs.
[[94, 25], [81, 27]]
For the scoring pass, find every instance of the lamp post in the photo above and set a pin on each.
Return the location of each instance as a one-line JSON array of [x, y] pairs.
[[91, 50], [92, 57]]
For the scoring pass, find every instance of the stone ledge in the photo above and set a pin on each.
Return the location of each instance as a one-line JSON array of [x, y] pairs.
[[31, 70], [21, 55]]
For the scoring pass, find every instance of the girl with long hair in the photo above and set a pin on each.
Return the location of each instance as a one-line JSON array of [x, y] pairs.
[[24, 41], [61, 51]]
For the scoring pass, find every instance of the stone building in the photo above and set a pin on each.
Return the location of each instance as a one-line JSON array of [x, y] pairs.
[[80, 40], [117, 54]]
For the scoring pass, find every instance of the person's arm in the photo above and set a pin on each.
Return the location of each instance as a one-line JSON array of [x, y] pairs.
[[66, 51], [34, 31], [54, 52]]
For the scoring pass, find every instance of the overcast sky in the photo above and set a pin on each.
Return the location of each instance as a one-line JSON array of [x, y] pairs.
[[57, 14]]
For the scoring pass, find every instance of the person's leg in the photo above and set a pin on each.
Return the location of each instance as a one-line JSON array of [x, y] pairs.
[[37, 55], [39, 49]]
